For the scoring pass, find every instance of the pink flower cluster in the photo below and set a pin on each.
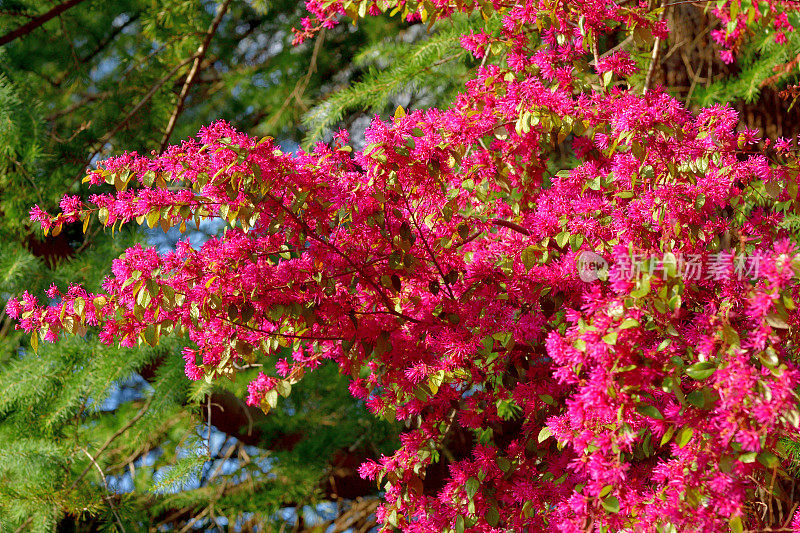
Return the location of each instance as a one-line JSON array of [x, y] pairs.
[[740, 17]]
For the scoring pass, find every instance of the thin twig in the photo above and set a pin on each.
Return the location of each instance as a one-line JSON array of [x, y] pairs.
[[596, 59], [426, 245], [192, 522], [24, 525], [312, 235], [66, 33], [24, 172], [190, 79], [122, 123], [101, 45], [111, 439], [312, 68], [105, 485], [77, 105], [222, 462], [301, 84]]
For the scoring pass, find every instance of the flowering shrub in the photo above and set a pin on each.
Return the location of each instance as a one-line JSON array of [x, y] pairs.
[[620, 336]]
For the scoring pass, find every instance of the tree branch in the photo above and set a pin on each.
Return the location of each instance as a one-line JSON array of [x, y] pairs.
[[654, 56], [38, 21], [190, 79], [302, 83], [511, 225]]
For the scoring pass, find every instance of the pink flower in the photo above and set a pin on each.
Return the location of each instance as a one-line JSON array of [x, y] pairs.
[[13, 308], [37, 214], [53, 291], [620, 63]]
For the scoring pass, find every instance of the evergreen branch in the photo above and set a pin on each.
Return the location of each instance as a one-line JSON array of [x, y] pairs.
[[373, 93], [104, 42], [24, 525], [38, 21], [179, 472]]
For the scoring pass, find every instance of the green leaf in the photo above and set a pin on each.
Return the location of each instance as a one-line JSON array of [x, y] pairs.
[[153, 217], [284, 388], [768, 459], [78, 306], [529, 257], [748, 457], [735, 524], [271, 397], [435, 381], [544, 434], [701, 371], [774, 320], [629, 323], [649, 411], [471, 487], [730, 336], [611, 504], [699, 201], [696, 398], [610, 338], [684, 436], [247, 311], [503, 464], [150, 335], [607, 76], [668, 435], [492, 516], [642, 289]]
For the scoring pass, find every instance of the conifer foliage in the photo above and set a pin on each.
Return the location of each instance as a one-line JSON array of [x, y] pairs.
[[619, 334]]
